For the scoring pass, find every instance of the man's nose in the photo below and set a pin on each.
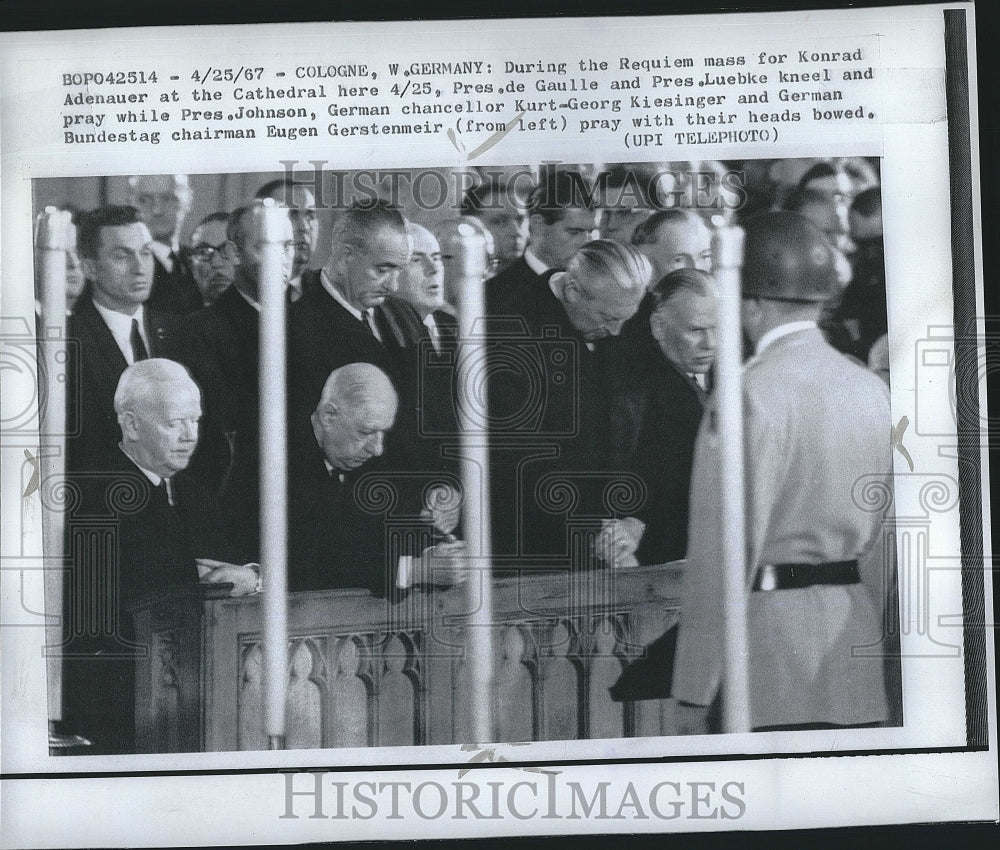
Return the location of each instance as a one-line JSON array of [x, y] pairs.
[[377, 444], [392, 281], [190, 433], [615, 328]]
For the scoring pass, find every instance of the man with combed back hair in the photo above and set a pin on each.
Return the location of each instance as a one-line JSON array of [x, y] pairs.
[[112, 326], [816, 428], [163, 201], [561, 219], [550, 396], [166, 534], [352, 317]]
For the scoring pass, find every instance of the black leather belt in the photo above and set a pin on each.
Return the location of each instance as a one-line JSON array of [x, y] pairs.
[[795, 576]]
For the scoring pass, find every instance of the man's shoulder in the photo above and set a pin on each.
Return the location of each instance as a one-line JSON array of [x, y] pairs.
[[516, 270]]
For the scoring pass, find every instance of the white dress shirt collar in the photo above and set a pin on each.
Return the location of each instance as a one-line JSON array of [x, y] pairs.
[[251, 301], [152, 476], [330, 470], [354, 311], [336, 296], [431, 324], [120, 326], [783, 330], [163, 253], [536, 265]]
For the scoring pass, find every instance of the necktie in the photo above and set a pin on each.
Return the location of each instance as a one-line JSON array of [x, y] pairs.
[[167, 491], [370, 324], [432, 328], [138, 346], [697, 388]]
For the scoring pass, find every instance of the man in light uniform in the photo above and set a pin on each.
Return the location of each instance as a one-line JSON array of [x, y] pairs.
[[816, 427]]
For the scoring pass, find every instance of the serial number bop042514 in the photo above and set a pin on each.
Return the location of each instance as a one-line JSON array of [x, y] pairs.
[[227, 75], [111, 78]]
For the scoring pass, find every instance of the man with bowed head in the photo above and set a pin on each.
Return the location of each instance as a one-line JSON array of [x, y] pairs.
[[338, 539], [555, 418], [167, 535], [660, 415]]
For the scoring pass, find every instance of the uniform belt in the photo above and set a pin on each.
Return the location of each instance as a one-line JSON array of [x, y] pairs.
[[794, 576]]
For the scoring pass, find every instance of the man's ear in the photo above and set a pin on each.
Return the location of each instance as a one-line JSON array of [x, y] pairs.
[[327, 414], [89, 268], [570, 288], [340, 259], [656, 322], [129, 425]]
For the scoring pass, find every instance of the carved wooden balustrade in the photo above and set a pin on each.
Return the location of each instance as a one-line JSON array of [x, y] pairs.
[[364, 672]]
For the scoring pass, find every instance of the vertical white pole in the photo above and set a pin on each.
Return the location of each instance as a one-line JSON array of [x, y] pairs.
[[273, 230], [54, 237], [470, 248], [728, 250]]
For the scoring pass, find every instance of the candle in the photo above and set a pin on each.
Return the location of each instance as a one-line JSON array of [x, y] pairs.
[[727, 247], [274, 227]]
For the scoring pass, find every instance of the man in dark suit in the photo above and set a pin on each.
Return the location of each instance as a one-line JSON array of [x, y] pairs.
[[223, 355], [501, 208], [421, 285], [660, 417], [560, 221], [111, 327], [550, 400], [338, 537], [162, 525], [163, 201], [212, 262], [351, 318], [300, 202]]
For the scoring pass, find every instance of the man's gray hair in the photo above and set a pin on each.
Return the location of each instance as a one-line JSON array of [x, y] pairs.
[[141, 379], [180, 182], [352, 385], [357, 224], [612, 263]]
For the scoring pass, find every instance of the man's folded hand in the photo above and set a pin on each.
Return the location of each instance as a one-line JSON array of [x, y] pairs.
[[618, 541], [443, 565], [245, 578]]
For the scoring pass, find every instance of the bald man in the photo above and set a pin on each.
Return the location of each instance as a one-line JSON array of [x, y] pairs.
[[163, 201], [337, 535], [165, 532]]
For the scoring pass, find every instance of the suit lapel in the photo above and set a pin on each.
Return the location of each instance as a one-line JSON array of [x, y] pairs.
[[92, 328]]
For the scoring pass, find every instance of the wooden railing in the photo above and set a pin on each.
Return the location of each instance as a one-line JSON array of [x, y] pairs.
[[367, 673]]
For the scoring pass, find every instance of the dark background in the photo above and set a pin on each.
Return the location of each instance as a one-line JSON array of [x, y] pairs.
[[18, 15]]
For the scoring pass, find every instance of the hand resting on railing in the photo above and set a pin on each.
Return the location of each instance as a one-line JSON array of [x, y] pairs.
[[245, 578], [618, 541]]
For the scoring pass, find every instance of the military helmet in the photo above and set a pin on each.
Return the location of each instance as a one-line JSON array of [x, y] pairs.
[[787, 258]]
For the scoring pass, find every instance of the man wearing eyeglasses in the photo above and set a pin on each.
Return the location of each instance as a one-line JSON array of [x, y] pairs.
[[223, 355], [212, 257]]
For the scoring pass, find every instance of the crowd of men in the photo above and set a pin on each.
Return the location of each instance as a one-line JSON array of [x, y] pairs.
[[599, 353]]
